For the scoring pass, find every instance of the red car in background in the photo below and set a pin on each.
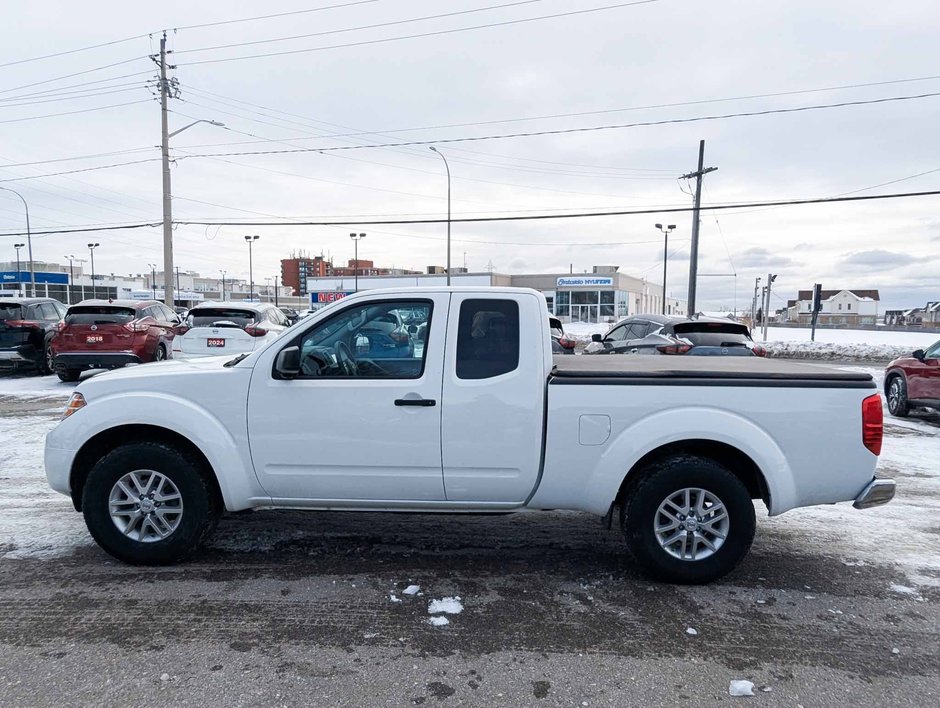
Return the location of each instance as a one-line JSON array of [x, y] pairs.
[[108, 334], [914, 381]]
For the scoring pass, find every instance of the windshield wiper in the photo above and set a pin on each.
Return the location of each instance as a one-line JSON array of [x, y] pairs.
[[237, 359]]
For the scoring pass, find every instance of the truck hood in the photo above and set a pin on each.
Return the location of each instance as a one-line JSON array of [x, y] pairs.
[[160, 376]]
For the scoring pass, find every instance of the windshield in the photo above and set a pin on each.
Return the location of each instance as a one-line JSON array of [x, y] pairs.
[[221, 317], [10, 311], [99, 314]]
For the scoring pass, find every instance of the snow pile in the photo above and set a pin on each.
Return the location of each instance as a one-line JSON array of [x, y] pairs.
[[741, 688], [448, 605], [834, 351], [35, 387], [582, 331], [438, 621], [411, 590]]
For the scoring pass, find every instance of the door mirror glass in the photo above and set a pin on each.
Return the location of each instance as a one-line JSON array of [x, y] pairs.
[[918, 354], [287, 364], [596, 338]]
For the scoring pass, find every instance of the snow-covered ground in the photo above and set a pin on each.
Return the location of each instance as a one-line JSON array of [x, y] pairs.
[[830, 344]]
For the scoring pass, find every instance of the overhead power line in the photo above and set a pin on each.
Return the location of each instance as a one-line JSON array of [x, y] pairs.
[[531, 217], [588, 129], [278, 14], [69, 76], [422, 34], [63, 90], [391, 23], [70, 113], [73, 51], [84, 169]]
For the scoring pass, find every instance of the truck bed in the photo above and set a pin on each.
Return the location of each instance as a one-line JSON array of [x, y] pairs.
[[700, 371]]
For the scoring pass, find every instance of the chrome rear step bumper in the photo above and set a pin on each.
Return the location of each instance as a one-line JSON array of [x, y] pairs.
[[875, 493]]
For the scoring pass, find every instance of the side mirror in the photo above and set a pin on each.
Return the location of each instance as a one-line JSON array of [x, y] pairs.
[[918, 354], [596, 338], [287, 364]]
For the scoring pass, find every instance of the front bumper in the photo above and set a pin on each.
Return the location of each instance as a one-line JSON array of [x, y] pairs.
[[95, 360], [58, 464], [875, 493]]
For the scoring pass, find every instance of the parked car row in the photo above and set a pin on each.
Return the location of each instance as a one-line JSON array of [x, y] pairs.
[[664, 334], [44, 334]]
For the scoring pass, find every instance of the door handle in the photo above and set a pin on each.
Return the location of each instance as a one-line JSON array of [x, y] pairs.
[[415, 402]]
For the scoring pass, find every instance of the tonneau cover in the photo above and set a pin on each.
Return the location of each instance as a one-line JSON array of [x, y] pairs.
[[647, 369]]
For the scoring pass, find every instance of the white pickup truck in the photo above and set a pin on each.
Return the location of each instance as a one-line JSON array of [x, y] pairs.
[[449, 400]]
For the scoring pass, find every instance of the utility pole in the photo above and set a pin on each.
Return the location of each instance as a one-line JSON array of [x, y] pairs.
[[168, 294], [693, 260], [754, 303], [770, 280], [275, 291]]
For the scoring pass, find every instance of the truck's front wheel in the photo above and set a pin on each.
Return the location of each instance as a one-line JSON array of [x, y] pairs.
[[688, 520], [149, 503]]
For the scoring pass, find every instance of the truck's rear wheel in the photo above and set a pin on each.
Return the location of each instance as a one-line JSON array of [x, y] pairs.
[[688, 520], [148, 503]]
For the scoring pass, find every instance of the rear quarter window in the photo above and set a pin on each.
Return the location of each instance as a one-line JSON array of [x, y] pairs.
[[487, 338]]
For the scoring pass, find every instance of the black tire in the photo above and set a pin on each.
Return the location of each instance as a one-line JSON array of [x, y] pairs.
[[896, 394], [201, 508], [44, 363], [659, 481], [68, 375], [159, 354]]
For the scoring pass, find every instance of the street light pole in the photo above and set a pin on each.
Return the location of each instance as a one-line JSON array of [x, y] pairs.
[[275, 291], [29, 241], [356, 239], [71, 260], [222, 295], [447, 167], [666, 231], [153, 279], [251, 277], [19, 280], [91, 249]]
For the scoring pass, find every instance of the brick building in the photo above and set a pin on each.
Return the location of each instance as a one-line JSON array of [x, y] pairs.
[[296, 269]]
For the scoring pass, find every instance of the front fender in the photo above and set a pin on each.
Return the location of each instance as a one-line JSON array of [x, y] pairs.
[[228, 456], [698, 423]]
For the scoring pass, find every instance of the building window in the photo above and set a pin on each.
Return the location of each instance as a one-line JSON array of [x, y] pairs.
[[840, 305], [849, 306], [550, 301]]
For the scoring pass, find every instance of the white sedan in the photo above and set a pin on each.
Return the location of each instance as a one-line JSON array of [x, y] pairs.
[[221, 328]]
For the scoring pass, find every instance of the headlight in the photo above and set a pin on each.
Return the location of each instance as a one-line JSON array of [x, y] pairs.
[[76, 402]]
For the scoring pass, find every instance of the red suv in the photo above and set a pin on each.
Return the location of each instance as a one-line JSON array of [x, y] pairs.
[[107, 334], [914, 381]]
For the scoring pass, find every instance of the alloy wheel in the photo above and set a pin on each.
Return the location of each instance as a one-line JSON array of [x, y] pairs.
[[691, 524], [145, 506]]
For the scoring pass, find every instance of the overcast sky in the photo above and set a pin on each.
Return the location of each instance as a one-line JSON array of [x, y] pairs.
[[621, 61]]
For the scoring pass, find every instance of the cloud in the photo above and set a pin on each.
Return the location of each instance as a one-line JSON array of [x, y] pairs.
[[878, 258], [761, 257]]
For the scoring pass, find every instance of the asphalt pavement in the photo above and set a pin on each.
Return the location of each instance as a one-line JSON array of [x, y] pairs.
[[298, 609]]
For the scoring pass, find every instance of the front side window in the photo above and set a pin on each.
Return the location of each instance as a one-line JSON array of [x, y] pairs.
[[373, 340], [617, 334], [933, 352], [487, 338]]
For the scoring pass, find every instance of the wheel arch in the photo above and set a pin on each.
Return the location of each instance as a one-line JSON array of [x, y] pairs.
[[739, 463], [103, 442]]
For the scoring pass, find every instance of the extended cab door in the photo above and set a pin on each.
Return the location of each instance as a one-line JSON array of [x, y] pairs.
[[493, 396], [362, 421]]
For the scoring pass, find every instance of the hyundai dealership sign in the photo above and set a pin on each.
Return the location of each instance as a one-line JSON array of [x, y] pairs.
[[11, 276], [585, 281]]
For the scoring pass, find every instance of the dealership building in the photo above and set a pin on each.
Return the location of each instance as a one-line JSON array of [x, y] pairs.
[[600, 296]]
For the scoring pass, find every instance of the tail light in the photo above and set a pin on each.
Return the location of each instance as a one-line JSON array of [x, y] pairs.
[[25, 324], [673, 348], [872, 423], [758, 350], [137, 326], [255, 331], [182, 329], [567, 343]]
